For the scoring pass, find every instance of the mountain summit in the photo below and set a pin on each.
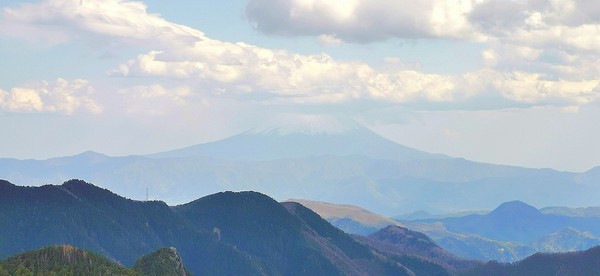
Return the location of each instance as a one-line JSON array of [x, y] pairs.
[[515, 208], [307, 124], [302, 136]]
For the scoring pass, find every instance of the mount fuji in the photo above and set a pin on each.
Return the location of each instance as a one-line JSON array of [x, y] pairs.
[[303, 136]]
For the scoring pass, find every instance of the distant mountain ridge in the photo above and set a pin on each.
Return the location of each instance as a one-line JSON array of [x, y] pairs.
[[572, 212], [471, 245], [517, 221], [322, 159], [317, 138], [349, 218], [512, 231]]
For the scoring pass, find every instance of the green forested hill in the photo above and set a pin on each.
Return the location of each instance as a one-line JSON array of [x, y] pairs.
[[581, 263], [86, 216], [61, 260], [245, 233], [164, 261]]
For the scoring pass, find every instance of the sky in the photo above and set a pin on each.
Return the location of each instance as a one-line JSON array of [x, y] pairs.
[[500, 81]]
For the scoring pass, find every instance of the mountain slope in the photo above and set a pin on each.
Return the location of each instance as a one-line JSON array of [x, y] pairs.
[[356, 258], [85, 216], [89, 217], [62, 260], [69, 260], [566, 240], [291, 239], [165, 261], [349, 218], [258, 225], [401, 241], [245, 233], [572, 263]]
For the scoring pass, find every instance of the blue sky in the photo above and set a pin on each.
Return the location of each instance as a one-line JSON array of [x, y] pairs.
[[512, 82]]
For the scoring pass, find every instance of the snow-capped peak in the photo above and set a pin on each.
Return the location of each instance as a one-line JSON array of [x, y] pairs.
[[307, 124]]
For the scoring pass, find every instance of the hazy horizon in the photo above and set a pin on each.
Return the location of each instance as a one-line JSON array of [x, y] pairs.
[[503, 82]]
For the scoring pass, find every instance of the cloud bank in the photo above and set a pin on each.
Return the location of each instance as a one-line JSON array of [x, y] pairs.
[[539, 52]]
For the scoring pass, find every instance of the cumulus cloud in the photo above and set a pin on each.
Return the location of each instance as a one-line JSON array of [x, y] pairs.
[[518, 67], [482, 20], [556, 41], [58, 21], [60, 96], [240, 69], [363, 20], [532, 88]]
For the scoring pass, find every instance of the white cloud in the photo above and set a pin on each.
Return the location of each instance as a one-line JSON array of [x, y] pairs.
[[570, 22], [363, 20], [58, 21], [60, 96], [240, 69], [519, 68], [532, 88], [329, 40], [557, 39]]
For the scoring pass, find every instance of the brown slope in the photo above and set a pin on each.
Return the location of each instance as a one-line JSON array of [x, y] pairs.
[[358, 214]]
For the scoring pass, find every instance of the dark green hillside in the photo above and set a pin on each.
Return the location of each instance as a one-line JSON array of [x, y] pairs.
[[322, 228], [69, 260], [582, 263], [62, 260], [164, 261], [333, 240], [228, 233], [86, 216], [404, 242], [243, 233], [261, 227], [89, 217]]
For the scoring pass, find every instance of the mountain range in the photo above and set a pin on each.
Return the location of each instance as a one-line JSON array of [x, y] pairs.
[[511, 232], [228, 233], [318, 159], [241, 233]]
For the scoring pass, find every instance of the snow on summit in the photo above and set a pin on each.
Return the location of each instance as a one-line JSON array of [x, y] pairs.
[[308, 124]]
